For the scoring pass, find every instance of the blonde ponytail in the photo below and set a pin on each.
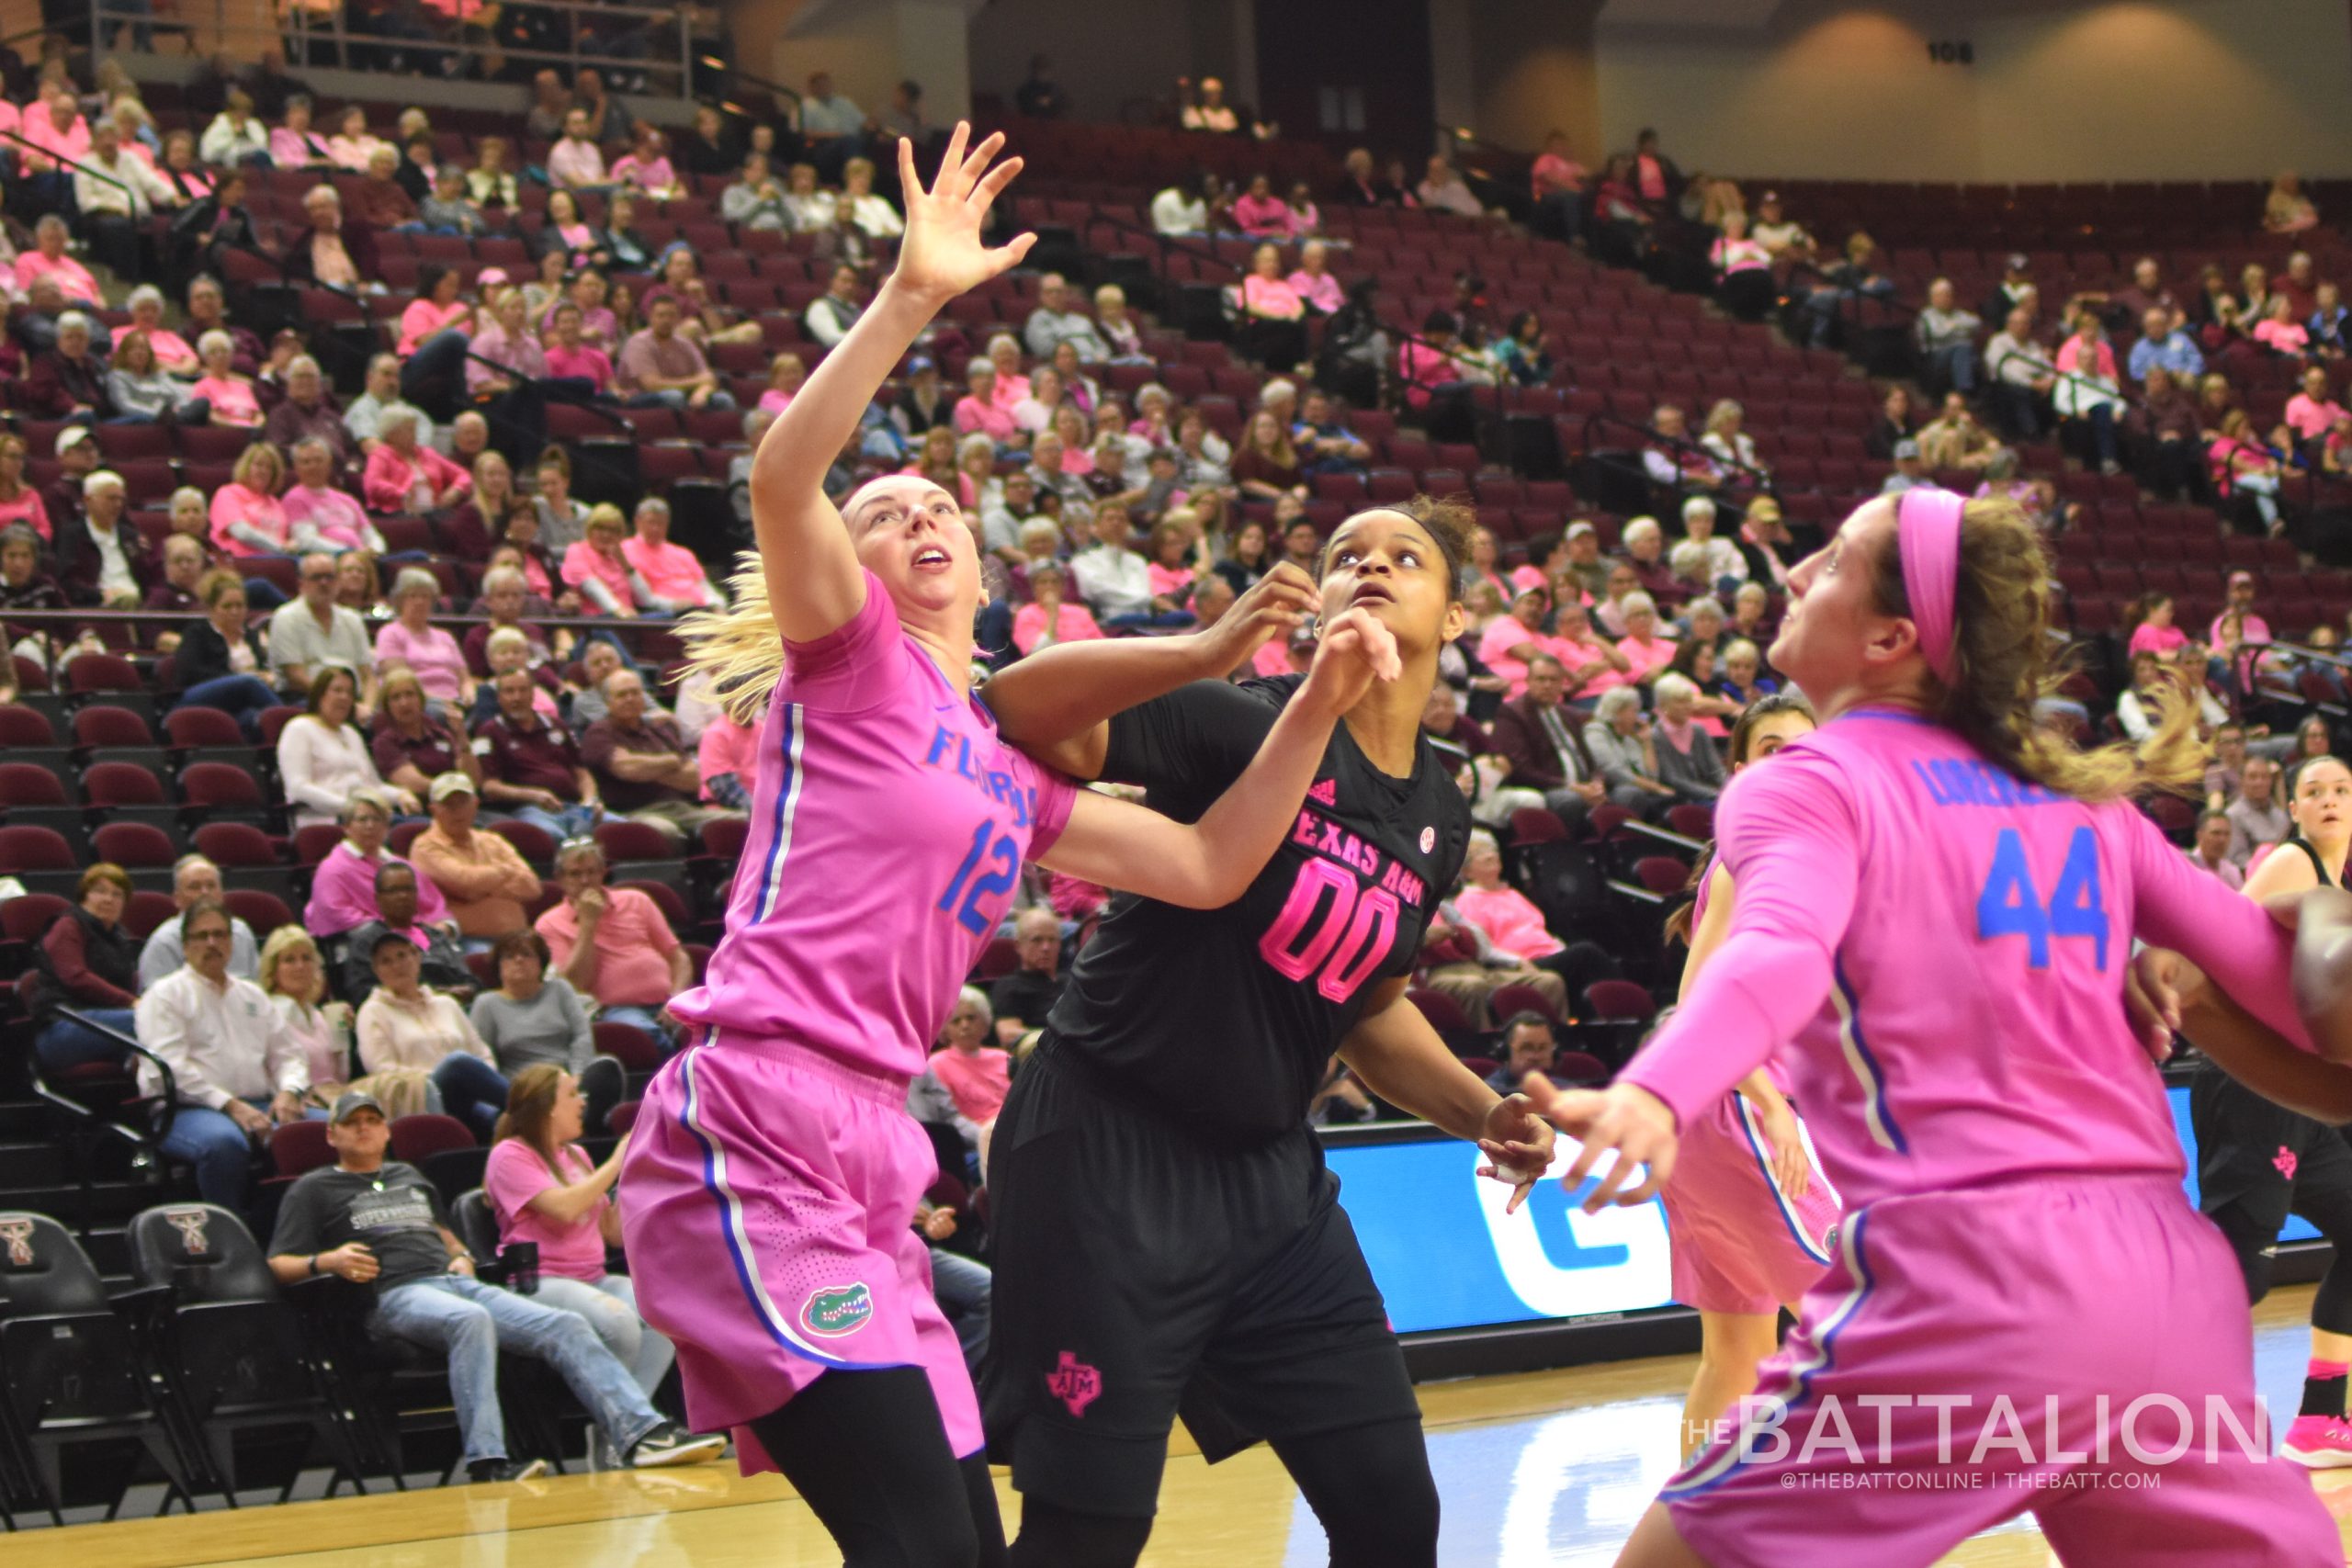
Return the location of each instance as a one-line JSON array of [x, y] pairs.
[[738, 649]]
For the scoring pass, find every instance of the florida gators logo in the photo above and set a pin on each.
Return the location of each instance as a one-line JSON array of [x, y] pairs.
[[837, 1309]]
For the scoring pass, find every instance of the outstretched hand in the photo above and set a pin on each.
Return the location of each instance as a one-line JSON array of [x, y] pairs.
[[1518, 1146], [941, 256], [1356, 650], [1625, 1121]]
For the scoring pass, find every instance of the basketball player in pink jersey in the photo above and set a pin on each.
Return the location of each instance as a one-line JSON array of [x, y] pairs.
[[774, 1171], [1936, 904], [1752, 1222]]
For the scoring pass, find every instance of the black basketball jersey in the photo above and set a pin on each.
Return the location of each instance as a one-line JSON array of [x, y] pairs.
[[1224, 1019]]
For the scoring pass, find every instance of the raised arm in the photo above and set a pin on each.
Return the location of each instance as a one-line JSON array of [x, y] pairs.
[[814, 584], [1057, 704], [1209, 864]]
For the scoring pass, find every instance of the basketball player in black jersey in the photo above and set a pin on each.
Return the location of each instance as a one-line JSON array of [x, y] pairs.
[[2259, 1161], [1168, 1239]]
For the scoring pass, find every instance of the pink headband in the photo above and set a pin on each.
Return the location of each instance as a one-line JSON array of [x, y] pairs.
[[1927, 523]]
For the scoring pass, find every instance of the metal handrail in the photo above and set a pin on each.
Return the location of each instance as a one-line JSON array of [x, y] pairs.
[[62, 162], [1655, 436]]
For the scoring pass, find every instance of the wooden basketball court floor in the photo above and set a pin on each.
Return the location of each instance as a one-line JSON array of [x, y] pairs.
[[1545, 1470]]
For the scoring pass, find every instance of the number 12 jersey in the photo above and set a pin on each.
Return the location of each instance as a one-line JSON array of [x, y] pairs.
[[1224, 1019]]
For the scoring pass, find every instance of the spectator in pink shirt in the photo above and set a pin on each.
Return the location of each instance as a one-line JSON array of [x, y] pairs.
[[727, 756], [645, 166], [964, 1082], [508, 342], [1313, 282], [352, 147], [2088, 339], [231, 395], [2312, 412], [596, 567], [318, 515], [48, 259], [54, 126], [576, 163], [2155, 633], [1557, 182], [1275, 317], [1510, 642], [570, 357], [670, 577], [247, 518], [172, 351], [1049, 617], [1011, 386], [436, 310], [294, 145], [1260, 212], [786, 373], [410, 641], [980, 409], [2280, 332], [1644, 649], [402, 476]]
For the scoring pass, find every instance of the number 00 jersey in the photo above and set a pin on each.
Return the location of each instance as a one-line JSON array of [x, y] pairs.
[[1224, 1019]]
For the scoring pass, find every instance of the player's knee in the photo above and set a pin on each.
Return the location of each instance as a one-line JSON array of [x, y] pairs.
[[1393, 1525], [1054, 1537], [934, 1537]]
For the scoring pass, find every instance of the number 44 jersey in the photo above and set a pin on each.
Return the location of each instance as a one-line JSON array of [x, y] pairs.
[[1224, 1019]]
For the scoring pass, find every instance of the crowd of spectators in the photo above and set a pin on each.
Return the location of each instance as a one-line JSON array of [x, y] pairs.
[[318, 565]]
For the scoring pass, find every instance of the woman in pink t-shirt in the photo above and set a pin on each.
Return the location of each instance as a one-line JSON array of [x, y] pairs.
[[247, 518], [19, 502], [231, 395], [1049, 617], [436, 310], [967, 1078], [597, 568], [1274, 324], [546, 1191], [413, 641], [2155, 633]]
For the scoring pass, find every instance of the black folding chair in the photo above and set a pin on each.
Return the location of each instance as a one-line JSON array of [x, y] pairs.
[[230, 1349]]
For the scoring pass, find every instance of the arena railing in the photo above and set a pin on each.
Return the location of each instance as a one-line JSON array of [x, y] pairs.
[[631, 629], [621, 41], [62, 162], [1637, 471]]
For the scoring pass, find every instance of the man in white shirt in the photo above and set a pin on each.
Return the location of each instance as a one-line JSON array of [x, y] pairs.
[[366, 413], [2023, 374], [195, 879], [1055, 323], [1113, 579], [115, 207], [237, 1072], [831, 315], [1179, 211], [313, 630]]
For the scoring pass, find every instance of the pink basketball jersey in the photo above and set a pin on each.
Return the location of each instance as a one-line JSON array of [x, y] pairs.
[[1944, 946], [888, 826]]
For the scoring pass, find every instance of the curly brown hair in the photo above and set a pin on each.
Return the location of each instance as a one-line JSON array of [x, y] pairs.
[[2004, 664]]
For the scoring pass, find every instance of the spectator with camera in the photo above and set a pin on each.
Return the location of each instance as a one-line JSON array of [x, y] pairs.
[[375, 1221]]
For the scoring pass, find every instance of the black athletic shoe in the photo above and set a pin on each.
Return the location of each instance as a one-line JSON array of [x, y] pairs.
[[506, 1469], [672, 1444]]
